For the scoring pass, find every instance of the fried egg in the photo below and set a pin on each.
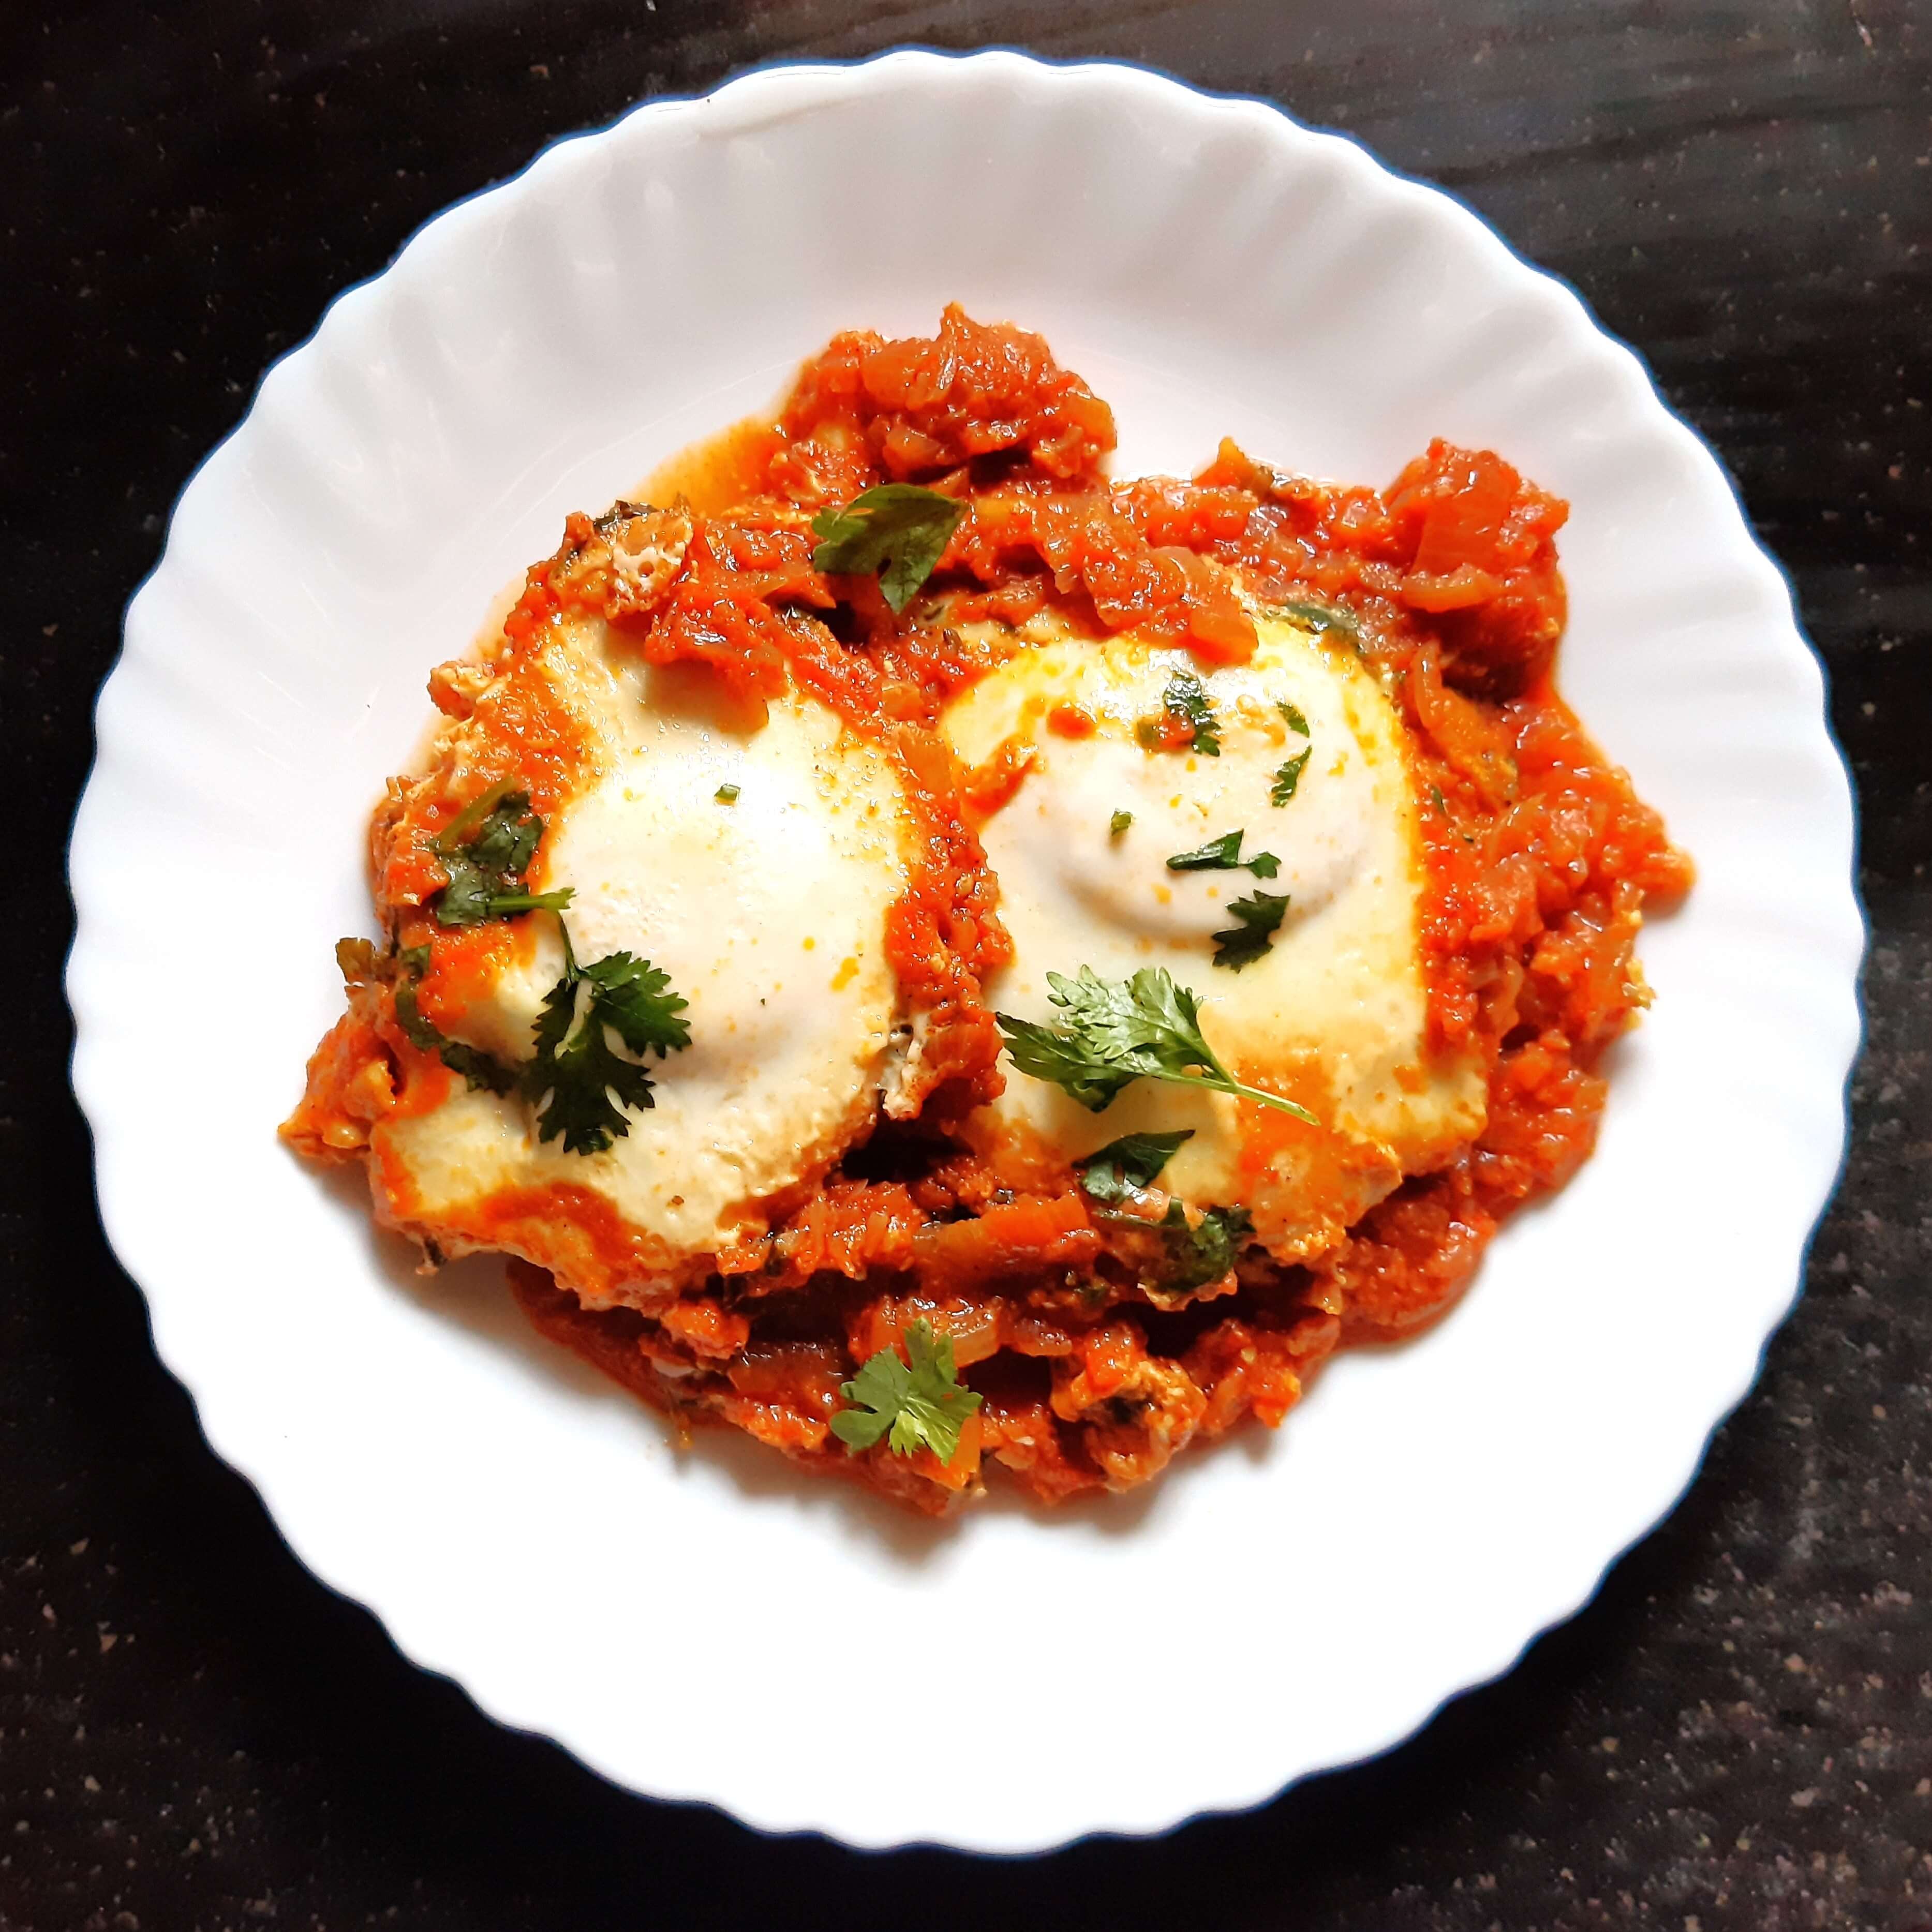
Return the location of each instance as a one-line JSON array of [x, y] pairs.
[[753, 860], [1332, 1014]]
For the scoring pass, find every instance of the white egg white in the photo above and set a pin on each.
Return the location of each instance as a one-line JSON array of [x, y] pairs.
[[1333, 1015], [766, 909]]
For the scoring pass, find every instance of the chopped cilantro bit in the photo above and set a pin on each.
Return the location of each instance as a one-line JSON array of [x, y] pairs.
[[1288, 776], [1116, 1032], [1123, 1167], [486, 869], [1196, 1252], [1218, 855], [1186, 698], [1119, 823], [1260, 915], [577, 1070], [1321, 617], [478, 808], [726, 794], [917, 1399], [481, 1071], [1224, 855], [1202, 1254], [1441, 804], [896, 531]]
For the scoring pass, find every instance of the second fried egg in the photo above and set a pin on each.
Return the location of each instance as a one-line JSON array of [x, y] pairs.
[[1302, 755]]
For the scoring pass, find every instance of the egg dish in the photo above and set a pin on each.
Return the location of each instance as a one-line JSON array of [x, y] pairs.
[[949, 961]]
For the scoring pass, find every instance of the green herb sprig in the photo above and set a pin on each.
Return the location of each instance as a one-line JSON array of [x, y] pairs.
[[1115, 1032], [1205, 1252], [1320, 617], [481, 1071], [1224, 855], [1185, 698], [1123, 1168], [915, 1403], [577, 1070], [1289, 774], [895, 531], [486, 850], [1260, 915], [1197, 1253]]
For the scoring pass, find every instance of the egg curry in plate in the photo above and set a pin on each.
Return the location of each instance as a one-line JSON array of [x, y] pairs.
[[949, 961]]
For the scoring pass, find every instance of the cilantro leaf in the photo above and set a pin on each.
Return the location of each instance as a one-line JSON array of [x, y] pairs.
[[1123, 1167], [1218, 855], [1260, 915], [580, 1076], [1116, 1032], [1119, 823], [916, 1403], [895, 530], [486, 869], [635, 997], [1287, 777], [471, 904], [1289, 774], [1224, 855], [577, 1070], [480, 1070], [1064, 1061], [1202, 1254], [1186, 698], [1321, 617], [1196, 1253]]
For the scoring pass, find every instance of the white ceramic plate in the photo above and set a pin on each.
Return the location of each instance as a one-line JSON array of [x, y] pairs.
[[707, 1625]]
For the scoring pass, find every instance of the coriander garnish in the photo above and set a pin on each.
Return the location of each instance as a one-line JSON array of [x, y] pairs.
[[896, 531], [1116, 1032], [1260, 915], [1320, 617], [1123, 1167], [1224, 855], [480, 1070], [486, 868], [1185, 698], [577, 1070], [919, 1400], [1204, 1253], [1289, 774]]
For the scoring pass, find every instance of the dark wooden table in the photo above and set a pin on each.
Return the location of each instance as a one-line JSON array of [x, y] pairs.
[[193, 1733]]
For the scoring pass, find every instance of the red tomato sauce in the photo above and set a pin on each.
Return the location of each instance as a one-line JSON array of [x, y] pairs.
[[1539, 860]]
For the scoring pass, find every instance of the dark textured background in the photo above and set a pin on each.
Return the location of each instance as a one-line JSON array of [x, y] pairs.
[[1738, 1733]]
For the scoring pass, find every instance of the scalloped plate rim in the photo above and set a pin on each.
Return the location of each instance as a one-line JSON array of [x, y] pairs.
[[837, 82]]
